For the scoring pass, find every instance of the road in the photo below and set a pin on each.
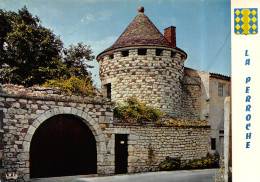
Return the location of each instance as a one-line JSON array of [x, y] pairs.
[[206, 175]]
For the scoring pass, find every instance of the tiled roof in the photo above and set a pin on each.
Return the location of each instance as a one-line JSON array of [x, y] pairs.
[[140, 32], [220, 76]]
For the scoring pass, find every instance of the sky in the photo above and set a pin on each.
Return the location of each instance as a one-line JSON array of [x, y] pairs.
[[202, 26]]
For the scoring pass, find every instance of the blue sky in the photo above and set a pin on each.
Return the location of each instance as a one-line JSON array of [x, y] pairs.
[[202, 26]]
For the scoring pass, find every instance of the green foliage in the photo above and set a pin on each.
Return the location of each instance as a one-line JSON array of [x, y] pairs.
[[31, 54], [73, 85], [170, 164], [136, 112], [25, 48], [210, 161], [74, 61]]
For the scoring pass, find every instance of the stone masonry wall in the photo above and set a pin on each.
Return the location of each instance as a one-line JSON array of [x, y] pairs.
[[183, 142], [191, 103], [152, 79], [24, 113]]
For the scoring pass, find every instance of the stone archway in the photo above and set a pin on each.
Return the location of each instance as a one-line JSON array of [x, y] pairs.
[[63, 145], [91, 123]]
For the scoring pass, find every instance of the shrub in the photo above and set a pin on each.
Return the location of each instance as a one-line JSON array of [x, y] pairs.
[[210, 161], [73, 85], [170, 164], [136, 112]]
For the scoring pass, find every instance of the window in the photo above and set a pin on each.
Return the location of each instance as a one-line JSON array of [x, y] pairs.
[[125, 53], [221, 89], [213, 143], [142, 51], [111, 56], [1, 119], [173, 54], [159, 52], [108, 87], [221, 131]]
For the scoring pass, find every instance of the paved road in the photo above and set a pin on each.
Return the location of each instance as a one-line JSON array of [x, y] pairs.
[[206, 175]]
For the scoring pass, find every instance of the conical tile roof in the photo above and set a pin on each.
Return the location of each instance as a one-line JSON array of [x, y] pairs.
[[140, 32]]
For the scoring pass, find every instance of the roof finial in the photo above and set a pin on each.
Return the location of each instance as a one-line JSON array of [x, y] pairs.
[[141, 9]]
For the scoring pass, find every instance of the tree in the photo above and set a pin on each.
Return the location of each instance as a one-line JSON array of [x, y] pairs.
[[31, 54], [28, 50], [75, 59]]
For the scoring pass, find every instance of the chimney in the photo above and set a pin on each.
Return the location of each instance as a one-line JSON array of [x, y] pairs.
[[170, 35]]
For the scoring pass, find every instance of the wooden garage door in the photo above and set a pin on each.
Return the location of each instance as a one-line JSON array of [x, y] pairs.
[[62, 146]]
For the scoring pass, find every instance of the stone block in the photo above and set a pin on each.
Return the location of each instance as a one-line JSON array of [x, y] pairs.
[[40, 111], [45, 107], [86, 110], [108, 119], [31, 130], [49, 113], [26, 146], [42, 118], [100, 138], [91, 121], [19, 116], [72, 104], [101, 119], [133, 159], [79, 113], [23, 157], [36, 124], [10, 100], [84, 115], [102, 147], [50, 102], [16, 105], [24, 170], [111, 143], [23, 101], [133, 137], [56, 111], [74, 111], [100, 158], [67, 110], [28, 137]]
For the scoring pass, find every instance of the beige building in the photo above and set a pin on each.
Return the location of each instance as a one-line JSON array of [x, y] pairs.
[[214, 89]]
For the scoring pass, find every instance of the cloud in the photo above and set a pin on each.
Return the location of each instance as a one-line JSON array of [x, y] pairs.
[[103, 15]]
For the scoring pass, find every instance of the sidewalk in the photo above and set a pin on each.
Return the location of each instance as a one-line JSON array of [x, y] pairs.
[[205, 175]]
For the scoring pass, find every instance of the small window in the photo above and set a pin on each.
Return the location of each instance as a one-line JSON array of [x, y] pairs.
[[1, 119], [213, 143], [142, 51], [221, 90], [111, 56], [108, 87], [125, 53], [159, 52], [173, 54], [221, 131]]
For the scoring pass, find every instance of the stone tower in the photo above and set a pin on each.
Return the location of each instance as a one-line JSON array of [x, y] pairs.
[[144, 64]]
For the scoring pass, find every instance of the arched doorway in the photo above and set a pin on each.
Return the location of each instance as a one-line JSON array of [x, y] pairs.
[[63, 145]]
